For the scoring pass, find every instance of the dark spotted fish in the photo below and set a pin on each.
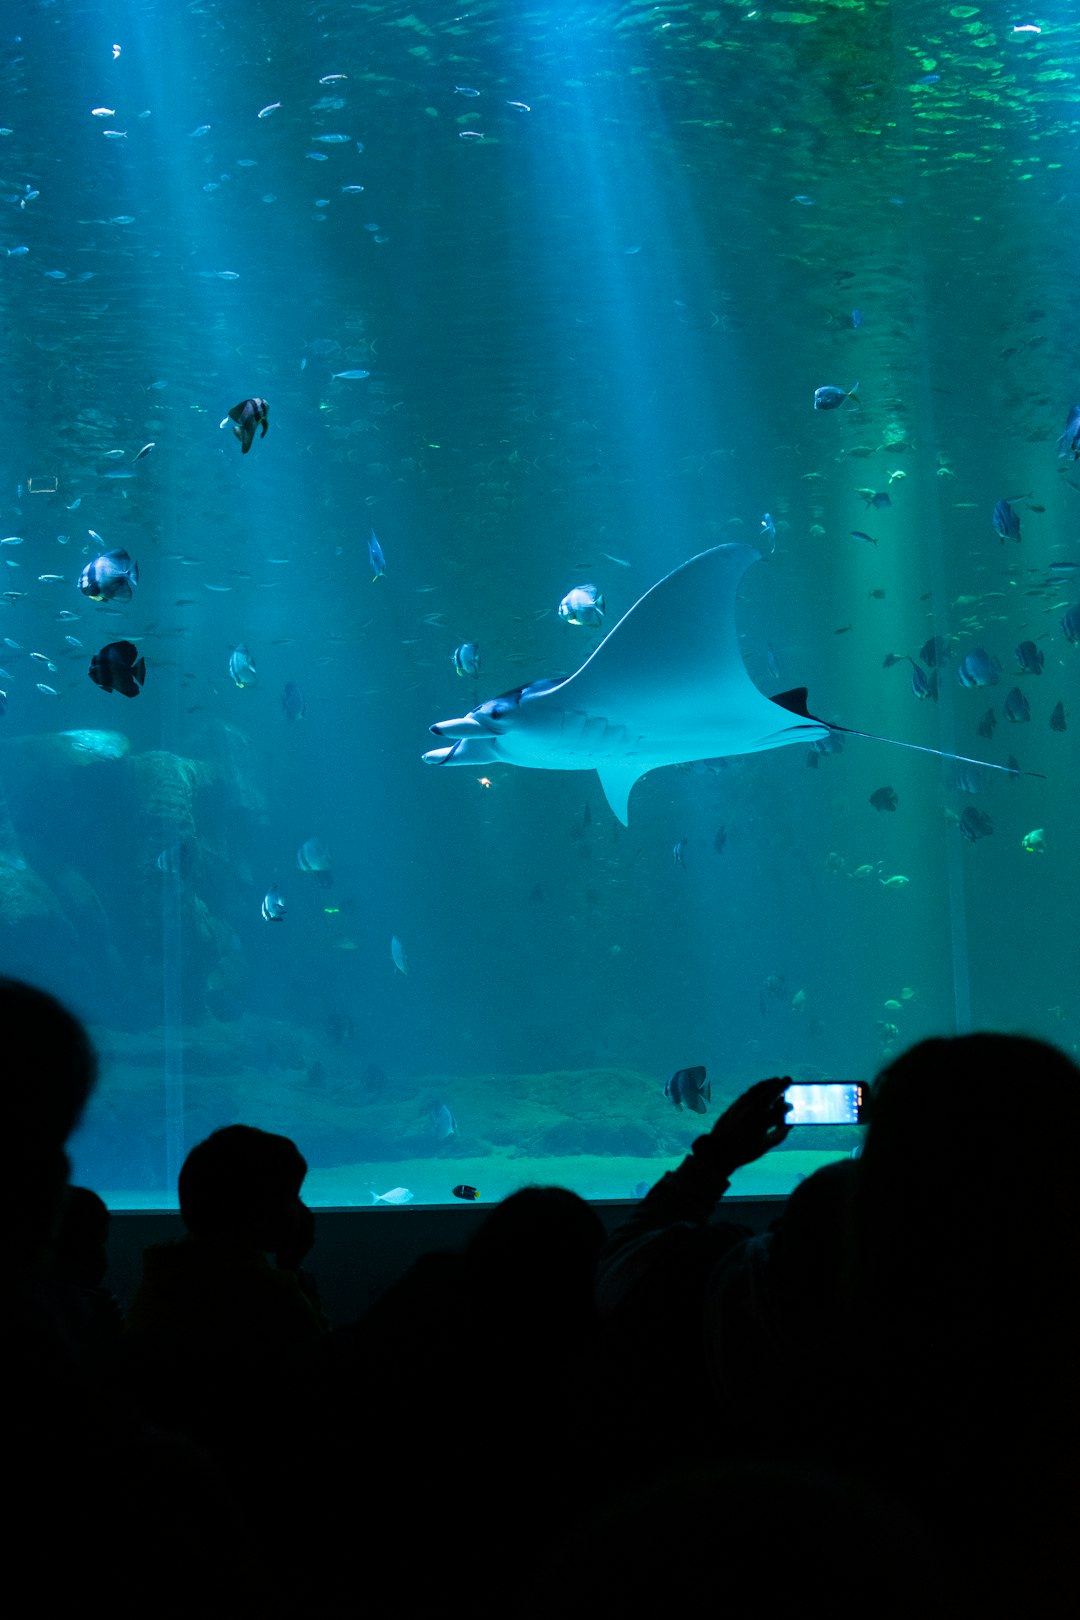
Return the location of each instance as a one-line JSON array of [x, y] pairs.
[[689, 1088], [1006, 522], [1017, 708], [246, 417], [975, 824], [119, 668]]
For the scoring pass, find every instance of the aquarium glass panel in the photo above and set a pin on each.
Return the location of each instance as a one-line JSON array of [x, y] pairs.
[[541, 556]]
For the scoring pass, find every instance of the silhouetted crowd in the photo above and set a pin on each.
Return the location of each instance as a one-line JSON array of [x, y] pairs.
[[869, 1410]]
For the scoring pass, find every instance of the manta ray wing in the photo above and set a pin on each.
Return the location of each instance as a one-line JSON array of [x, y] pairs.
[[672, 676], [670, 682], [667, 685]]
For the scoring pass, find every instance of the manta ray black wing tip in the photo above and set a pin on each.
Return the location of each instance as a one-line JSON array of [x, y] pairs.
[[794, 701]]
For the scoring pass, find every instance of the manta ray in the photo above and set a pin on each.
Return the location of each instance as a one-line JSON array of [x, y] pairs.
[[666, 686]]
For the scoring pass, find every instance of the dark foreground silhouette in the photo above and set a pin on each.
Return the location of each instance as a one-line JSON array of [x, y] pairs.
[[868, 1409]]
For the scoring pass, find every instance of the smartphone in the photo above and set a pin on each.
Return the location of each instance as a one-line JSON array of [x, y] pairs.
[[827, 1102]]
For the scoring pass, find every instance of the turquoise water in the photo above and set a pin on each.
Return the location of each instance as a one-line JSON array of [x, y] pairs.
[[587, 266]]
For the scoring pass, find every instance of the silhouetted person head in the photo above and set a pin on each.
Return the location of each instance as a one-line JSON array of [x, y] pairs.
[[80, 1248], [242, 1185], [50, 1069], [539, 1248], [968, 1154]]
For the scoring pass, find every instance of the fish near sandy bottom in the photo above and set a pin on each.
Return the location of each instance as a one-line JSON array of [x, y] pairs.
[[666, 686], [689, 1087]]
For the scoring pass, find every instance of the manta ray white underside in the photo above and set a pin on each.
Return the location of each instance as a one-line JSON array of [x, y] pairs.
[[666, 686]]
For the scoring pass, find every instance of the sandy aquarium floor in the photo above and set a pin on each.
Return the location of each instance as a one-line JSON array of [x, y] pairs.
[[497, 1175]]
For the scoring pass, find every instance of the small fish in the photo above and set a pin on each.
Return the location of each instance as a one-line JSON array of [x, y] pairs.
[[375, 558], [1068, 446], [884, 798], [878, 499], [1070, 625], [1035, 842], [179, 859], [119, 668], [1030, 658], [1017, 708], [292, 701], [689, 1086], [146, 449], [923, 685], [897, 881], [857, 534], [935, 652], [463, 1190], [273, 906], [49, 691], [978, 668], [856, 318], [241, 667], [678, 854], [396, 1195], [767, 532], [1057, 718], [13, 540], [109, 576], [314, 856], [772, 663], [443, 1122], [397, 955], [264, 112], [349, 376], [466, 658], [103, 112], [828, 398], [1006, 522], [584, 605], [245, 418], [975, 824]]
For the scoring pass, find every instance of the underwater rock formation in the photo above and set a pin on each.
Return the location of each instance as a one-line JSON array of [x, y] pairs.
[[103, 854]]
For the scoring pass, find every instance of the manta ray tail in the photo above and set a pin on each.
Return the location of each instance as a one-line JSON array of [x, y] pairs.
[[795, 702]]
